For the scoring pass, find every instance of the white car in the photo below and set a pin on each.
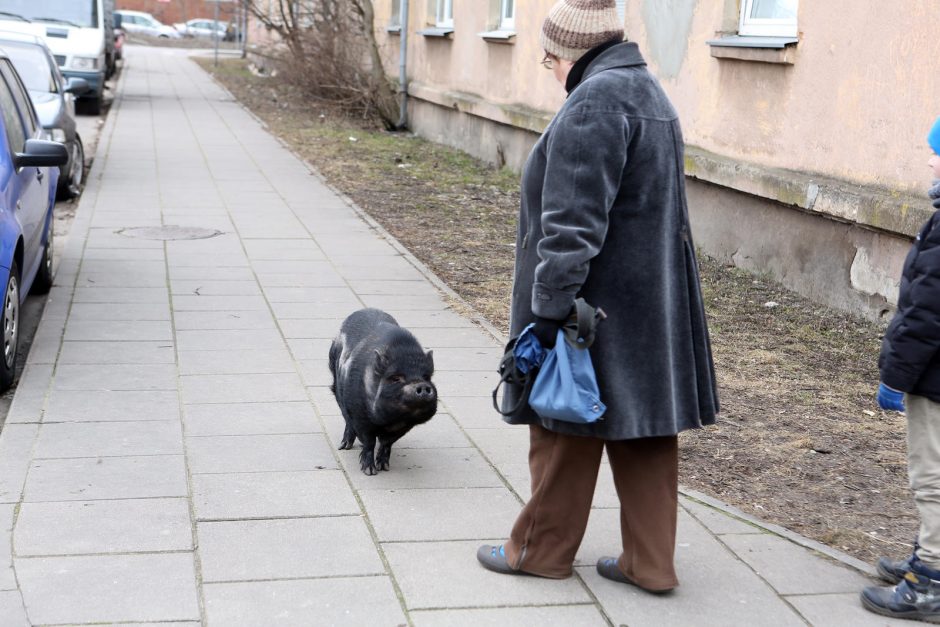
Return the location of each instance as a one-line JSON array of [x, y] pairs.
[[138, 22], [202, 28]]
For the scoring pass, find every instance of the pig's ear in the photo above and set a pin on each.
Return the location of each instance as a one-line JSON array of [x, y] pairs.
[[431, 359], [381, 361]]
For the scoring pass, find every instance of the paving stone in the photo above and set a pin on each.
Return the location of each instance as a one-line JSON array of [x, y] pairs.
[[96, 527], [191, 302], [283, 250], [791, 569], [439, 432], [241, 361], [96, 353], [840, 610], [251, 419], [208, 287], [394, 287], [118, 278], [334, 601], [86, 479], [716, 521], [342, 295], [242, 388], [123, 254], [16, 448], [404, 302], [272, 495], [109, 439], [206, 260], [403, 514], [436, 319], [324, 400], [127, 311], [715, 586], [440, 338], [109, 588], [221, 320], [259, 453], [228, 339], [326, 328], [116, 377], [547, 616], [314, 316], [425, 468], [122, 295], [326, 278], [447, 574], [31, 391], [118, 330], [224, 273], [7, 576], [315, 371], [471, 383], [266, 268], [465, 360], [92, 406], [318, 348], [475, 412], [12, 612], [317, 547]]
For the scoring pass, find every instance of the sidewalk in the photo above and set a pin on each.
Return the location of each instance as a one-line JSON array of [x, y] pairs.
[[170, 454]]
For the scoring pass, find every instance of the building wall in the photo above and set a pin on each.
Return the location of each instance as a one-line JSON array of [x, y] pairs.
[[811, 168]]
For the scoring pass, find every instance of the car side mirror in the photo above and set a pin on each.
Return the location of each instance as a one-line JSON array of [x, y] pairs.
[[39, 153], [77, 86]]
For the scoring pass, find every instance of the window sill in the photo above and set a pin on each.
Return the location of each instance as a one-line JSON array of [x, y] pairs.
[[437, 31], [393, 30], [499, 36], [758, 49]]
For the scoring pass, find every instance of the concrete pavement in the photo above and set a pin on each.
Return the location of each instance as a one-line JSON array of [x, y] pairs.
[[170, 455]]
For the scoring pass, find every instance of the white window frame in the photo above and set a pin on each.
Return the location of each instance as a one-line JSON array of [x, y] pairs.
[[622, 10], [395, 20], [507, 21], [765, 27], [445, 14]]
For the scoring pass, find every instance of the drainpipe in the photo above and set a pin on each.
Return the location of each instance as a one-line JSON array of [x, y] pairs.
[[403, 66]]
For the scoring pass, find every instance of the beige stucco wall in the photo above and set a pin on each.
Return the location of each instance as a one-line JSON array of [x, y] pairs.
[[855, 105]]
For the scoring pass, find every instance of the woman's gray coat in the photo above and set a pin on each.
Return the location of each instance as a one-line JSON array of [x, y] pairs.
[[604, 217]]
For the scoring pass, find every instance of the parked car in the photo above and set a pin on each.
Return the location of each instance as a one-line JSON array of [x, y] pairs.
[[54, 100], [202, 29], [28, 175], [138, 22], [79, 33]]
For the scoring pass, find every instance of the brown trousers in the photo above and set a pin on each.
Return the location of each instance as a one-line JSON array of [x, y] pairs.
[[549, 530]]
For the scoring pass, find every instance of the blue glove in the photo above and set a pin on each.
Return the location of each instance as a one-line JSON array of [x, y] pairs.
[[546, 331], [890, 399]]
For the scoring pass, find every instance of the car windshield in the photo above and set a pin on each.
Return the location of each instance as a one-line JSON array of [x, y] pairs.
[[31, 64], [68, 12]]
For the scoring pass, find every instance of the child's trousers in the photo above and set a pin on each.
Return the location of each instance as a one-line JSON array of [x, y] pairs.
[[549, 530], [923, 469]]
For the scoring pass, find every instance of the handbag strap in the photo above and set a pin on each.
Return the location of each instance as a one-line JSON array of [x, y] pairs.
[[508, 373], [581, 327]]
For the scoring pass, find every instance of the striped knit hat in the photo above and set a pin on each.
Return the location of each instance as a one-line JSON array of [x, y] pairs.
[[575, 26]]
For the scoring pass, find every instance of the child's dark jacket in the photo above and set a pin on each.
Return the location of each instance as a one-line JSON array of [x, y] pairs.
[[910, 359]]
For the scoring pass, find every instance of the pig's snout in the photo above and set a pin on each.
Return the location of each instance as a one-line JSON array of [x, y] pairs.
[[421, 392]]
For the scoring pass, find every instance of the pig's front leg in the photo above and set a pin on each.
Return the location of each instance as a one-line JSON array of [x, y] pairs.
[[367, 456]]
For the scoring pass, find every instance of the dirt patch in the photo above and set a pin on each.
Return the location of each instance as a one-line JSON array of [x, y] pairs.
[[800, 442]]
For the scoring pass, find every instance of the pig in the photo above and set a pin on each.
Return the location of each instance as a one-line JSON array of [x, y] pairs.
[[382, 384]]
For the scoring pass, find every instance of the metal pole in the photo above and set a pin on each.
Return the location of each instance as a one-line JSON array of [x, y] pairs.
[[216, 38], [244, 30], [403, 66]]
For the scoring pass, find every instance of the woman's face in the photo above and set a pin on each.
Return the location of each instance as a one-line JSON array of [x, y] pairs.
[[559, 67], [934, 163]]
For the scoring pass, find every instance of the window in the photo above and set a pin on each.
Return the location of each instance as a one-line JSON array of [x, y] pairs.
[[507, 15], [394, 24], [30, 121], [445, 13], [768, 18], [622, 9], [16, 137]]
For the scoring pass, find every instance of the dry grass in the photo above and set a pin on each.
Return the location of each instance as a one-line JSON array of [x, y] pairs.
[[800, 441]]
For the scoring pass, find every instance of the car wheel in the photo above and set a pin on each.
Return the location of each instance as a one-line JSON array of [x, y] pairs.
[[11, 328], [43, 281], [77, 169]]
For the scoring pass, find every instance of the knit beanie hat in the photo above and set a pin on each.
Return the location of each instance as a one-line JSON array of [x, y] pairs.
[[575, 26], [933, 137]]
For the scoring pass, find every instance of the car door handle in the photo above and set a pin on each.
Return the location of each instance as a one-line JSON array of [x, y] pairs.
[[39, 174], [19, 205]]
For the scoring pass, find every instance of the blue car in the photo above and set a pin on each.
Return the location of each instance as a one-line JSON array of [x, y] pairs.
[[29, 171]]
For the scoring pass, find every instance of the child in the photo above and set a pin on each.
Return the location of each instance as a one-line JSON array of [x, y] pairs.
[[910, 375]]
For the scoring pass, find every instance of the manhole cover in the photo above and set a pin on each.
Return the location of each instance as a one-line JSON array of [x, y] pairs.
[[169, 232]]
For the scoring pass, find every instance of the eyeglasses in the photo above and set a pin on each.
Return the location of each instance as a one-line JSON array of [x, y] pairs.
[[547, 62]]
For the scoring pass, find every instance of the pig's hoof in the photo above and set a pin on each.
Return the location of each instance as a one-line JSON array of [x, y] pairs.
[[368, 469], [346, 445], [382, 464]]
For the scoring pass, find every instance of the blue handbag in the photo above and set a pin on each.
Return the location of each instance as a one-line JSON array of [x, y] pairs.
[[566, 386]]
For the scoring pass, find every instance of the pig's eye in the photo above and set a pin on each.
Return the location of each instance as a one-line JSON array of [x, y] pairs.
[[396, 378]]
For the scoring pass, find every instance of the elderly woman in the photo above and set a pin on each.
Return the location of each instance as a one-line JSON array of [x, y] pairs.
[[604, 217]]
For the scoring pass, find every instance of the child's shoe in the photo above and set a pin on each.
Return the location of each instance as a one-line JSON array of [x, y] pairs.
[[917, 597]]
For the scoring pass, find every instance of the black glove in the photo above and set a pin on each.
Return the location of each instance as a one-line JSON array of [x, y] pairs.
[[546, 331]]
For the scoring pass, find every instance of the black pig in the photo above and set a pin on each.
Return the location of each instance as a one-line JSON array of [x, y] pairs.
[[382, 383]]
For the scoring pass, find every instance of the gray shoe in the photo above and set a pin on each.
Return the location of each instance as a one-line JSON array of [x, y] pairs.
[[608, 568], [494, 558]]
